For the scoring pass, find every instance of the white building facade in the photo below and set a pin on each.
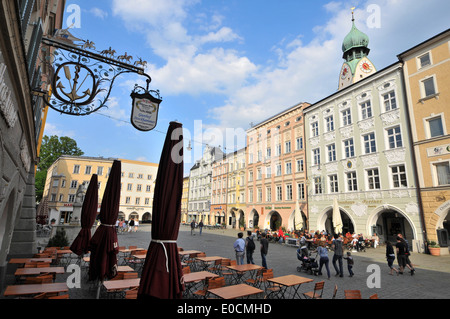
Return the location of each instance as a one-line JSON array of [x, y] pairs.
[[359, 152]]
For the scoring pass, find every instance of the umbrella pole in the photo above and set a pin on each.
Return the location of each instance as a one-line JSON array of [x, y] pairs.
[[100, 283]]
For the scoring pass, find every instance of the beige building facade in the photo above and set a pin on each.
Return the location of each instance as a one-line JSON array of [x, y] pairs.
[[426, 71], [68, 173]]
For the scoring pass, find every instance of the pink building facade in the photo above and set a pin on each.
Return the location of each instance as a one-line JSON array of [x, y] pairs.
[[276, 171]]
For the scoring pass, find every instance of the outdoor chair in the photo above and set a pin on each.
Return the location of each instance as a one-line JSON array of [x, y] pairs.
[[186, 270], [374, 296], [223, 265], [317, 292], [256, 282], [133, 262], [42, 279], [45, 295], [352, 294], [270, 290], [36, 265], [130, 275], [64, 296], [197, 264], [227, 273], [216, 282], [209, 283], [215, 268], [131, 293]]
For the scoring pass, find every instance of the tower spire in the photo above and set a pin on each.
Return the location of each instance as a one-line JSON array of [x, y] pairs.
[[353, 18]]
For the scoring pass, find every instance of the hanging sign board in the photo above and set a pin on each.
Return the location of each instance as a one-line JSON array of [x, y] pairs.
[[144, 112]]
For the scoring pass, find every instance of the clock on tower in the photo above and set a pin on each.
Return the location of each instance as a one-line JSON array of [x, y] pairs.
[[355, 50]]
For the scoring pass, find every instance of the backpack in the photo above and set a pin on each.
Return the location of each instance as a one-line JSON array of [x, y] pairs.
[[250, 244]]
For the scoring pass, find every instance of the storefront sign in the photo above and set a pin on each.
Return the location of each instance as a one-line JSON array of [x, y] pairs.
[[144, 113], [438, 150]]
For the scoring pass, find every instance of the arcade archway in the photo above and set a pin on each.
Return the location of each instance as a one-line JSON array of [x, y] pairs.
[[147, 218], [388, 221], [253, 219], [274, 220]]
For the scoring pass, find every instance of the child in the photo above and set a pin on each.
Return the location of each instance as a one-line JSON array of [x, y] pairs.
[[349, 259]]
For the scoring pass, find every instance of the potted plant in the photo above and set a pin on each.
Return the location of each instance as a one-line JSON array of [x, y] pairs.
[[434, 248]]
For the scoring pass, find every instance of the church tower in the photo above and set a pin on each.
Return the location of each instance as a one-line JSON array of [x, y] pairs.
[[355, 51]]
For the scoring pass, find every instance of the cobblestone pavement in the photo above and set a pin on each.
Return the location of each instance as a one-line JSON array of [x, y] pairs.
[[431, 280]]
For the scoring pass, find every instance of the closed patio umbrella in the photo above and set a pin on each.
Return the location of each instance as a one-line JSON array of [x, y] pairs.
[[336, 219], [162, 273], [80, 245], [298, 219], [103, 245]]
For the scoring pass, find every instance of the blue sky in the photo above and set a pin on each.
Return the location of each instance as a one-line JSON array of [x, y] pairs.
[[223, 64]]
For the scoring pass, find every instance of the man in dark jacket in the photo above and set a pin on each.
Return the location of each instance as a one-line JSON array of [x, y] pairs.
[[338, 254], [264, 249]]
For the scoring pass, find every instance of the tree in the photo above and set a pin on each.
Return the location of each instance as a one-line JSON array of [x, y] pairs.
[[52, 147]]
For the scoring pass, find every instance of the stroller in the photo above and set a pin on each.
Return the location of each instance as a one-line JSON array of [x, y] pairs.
[[309, 264]]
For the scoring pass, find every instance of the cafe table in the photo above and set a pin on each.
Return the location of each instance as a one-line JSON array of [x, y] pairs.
[[240, 270], [38, 271], [207, 261], [289, 281], [117, 285], [29, 260], [34, 289], [188, 257], [192, 279], [235, 291]]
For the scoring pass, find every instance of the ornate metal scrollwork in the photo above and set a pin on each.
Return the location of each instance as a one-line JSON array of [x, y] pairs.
[[83, 80]]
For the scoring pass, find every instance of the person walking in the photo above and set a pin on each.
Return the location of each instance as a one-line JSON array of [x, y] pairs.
[[239, 248], [390, 257], [264, 249], [350, 263], [407, 254], [338, 255], [249, 247], [322, 251], [131, 225], [192, 227], [401, 254], [200, 226]]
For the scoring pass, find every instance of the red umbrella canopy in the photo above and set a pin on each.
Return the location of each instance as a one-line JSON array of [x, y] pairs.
[[104, 245], [161, 275], [88, 213]]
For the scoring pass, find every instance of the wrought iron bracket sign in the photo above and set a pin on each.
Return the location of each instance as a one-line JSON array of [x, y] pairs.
[[82, 81]]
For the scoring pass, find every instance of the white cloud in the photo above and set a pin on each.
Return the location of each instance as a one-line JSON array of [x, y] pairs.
[[99, 13], [55, 129], [306, 71]]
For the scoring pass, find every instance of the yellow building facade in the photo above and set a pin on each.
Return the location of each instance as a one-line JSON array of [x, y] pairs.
[[68, 173], [426, 73], [184, 199]]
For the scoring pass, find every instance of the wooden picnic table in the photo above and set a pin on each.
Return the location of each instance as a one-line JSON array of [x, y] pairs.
[[241, 270], [23, 290], [287, 281], [235, 291]]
